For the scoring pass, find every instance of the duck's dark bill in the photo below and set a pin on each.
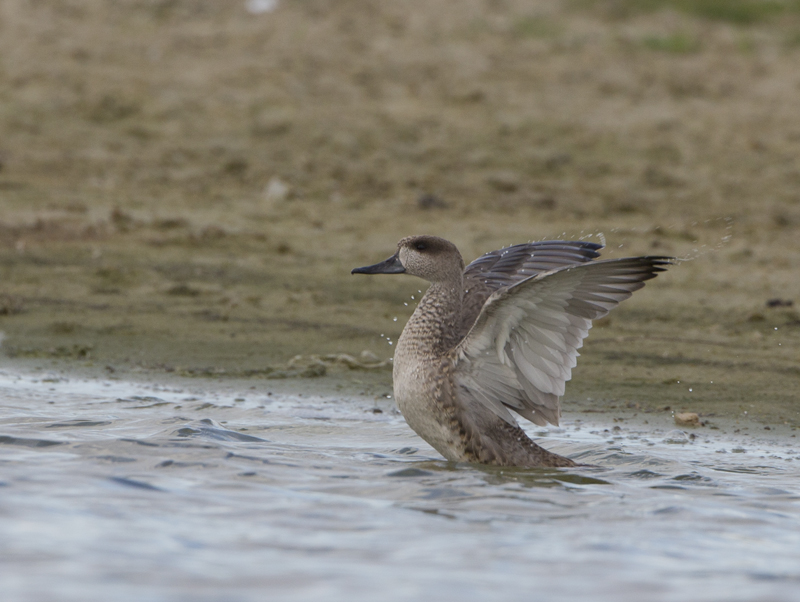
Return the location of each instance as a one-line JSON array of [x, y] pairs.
[[390, 266]]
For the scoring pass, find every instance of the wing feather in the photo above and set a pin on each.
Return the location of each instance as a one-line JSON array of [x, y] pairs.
[[524, 343], [504, 268]]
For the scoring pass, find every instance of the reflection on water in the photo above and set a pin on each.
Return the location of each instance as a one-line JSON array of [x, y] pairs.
[[123, 491]]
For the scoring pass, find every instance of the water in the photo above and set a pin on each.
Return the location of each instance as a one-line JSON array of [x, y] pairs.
[[125, 491]]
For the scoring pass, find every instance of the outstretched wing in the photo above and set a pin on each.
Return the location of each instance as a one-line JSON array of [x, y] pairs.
[[505, 267], [523, 345]]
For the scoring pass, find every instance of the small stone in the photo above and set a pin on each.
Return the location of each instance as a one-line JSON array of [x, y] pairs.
[[277, 190], [687, 419], [314, 370], [430, 201], [236, 167], [780, 303], [257, 7], [503, 181]]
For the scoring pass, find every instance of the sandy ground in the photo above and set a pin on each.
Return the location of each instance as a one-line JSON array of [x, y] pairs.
[[185, 185]]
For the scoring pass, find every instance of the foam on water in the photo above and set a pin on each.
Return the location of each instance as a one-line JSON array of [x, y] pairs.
[[125, 491]]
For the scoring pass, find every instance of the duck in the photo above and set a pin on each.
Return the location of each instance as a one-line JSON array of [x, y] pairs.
[[498, 339]]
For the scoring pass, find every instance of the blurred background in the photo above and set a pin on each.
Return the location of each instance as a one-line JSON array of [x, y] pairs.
[[186, 184]]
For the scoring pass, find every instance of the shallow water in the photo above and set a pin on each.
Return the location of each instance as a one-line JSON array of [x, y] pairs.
[[129, 491]]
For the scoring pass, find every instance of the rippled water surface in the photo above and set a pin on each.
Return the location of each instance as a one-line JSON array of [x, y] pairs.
[[125, 491]]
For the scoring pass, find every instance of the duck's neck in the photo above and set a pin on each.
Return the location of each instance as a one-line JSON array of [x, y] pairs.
[[432, 330]]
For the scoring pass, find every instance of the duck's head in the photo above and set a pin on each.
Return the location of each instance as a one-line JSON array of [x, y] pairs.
[[430, 257]]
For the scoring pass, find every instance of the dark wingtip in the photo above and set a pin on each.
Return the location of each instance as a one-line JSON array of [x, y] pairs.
[[661, 262]]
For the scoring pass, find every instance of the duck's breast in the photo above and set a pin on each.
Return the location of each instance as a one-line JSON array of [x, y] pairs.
[[420, 389]]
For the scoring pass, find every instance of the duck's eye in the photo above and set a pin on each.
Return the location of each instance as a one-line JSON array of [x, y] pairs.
[[420, 246]]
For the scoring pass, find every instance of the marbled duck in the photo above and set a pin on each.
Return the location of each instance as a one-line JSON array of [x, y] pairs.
[[502, 334]]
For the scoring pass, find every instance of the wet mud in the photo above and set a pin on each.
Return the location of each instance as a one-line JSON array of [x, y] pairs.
[[184, 186]]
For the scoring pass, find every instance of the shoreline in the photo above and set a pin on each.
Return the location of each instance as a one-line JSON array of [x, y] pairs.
[[372, 392]]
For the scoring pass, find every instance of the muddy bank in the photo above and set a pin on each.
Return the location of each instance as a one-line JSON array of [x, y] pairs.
[[185, 187]]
